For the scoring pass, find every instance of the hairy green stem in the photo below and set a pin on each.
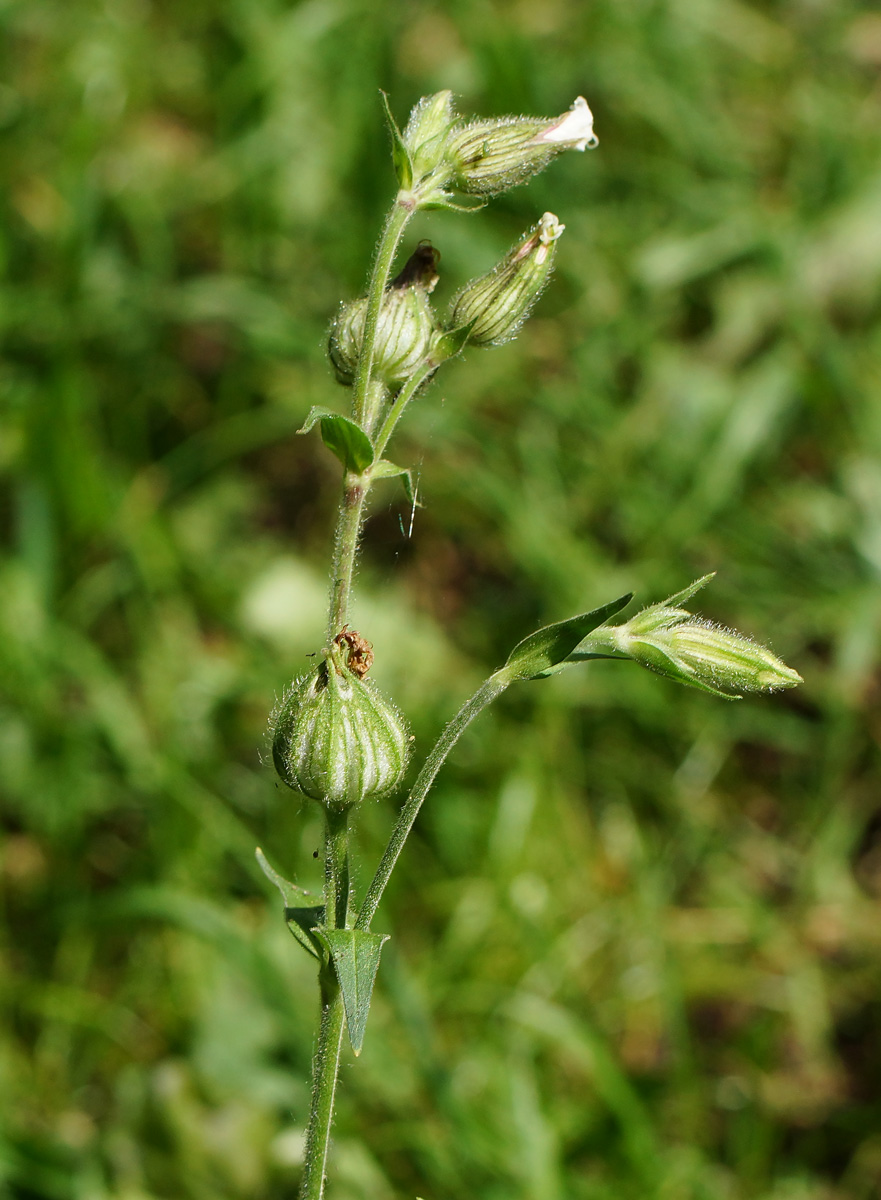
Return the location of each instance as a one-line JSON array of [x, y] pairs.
[[366, 406], [403, 398], [485, 694], [345, 549], [325, 1068], [336, 870], [326, 1065], [364, 412]]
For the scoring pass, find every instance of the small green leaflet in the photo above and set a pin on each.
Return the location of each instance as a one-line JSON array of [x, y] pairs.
[[388, 470], [301, 922], [343, 436], [454, 341], [686, 593], [355, 954], [400, 154], [301, 912], [545, 652]]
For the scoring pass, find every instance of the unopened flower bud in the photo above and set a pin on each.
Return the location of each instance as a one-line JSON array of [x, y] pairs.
[[671, 641], [425, 136], [488, 157], [405, 326], [497, 304], [335, 737]]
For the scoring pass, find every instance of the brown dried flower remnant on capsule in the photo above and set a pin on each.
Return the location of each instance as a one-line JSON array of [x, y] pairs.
[[420, 269], [360, 658]]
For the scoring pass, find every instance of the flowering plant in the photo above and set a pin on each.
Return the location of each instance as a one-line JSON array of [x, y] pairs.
[[335, 738]]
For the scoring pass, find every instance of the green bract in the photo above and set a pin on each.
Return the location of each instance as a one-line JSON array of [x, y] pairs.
[[337, 739]]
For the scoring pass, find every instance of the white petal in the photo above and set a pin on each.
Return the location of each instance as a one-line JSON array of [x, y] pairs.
[[549, 228], [573, 130]]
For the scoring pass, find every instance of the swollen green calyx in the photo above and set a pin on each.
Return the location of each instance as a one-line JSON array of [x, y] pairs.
[[405, 327], [335, 737]]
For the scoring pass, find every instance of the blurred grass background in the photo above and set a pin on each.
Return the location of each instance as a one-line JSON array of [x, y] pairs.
[[637, 931]]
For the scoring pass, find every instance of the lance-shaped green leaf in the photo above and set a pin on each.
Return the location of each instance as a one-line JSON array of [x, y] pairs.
[[400, 154], [301, 913], [343, 436], [389, 470], [545, 652], [656, 616], [355, 955], [452, 341]]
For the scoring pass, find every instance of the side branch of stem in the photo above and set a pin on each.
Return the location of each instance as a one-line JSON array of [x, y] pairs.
[[403, 398], [485, 694]]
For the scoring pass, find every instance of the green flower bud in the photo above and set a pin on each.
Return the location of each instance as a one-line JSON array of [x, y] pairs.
[[671, 641], [335, 737], [405, 327], [425, 136], [488, 157], [497, 304]]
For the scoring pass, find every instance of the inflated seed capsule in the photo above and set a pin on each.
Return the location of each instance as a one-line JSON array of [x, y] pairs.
[[405, 326], [335, 737]]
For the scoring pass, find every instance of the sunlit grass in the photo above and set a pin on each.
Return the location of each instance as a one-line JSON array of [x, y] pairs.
[[637, 930]]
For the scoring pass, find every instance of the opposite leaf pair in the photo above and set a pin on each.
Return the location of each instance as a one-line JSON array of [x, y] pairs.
[[354, 953]]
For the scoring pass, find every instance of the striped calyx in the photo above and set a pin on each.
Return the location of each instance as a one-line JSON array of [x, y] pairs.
[[494, 306], [335, 737], [405, 325], [488, 157]]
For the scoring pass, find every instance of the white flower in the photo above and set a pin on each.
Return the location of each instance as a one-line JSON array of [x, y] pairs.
[[549, 229], [574, 130]]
